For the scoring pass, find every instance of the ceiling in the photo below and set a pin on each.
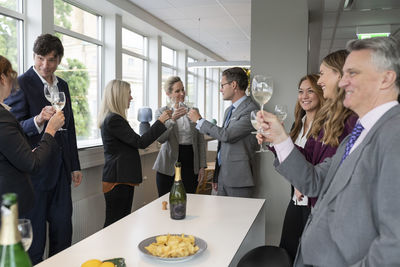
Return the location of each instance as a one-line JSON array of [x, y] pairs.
[[224, 26]]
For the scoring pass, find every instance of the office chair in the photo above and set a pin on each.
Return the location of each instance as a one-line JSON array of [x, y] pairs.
[[270, 256]]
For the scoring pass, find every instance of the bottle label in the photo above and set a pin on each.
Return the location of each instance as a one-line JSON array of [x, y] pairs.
[[178, 211]]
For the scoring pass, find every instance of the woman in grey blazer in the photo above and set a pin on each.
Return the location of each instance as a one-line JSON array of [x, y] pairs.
[[181, 142]]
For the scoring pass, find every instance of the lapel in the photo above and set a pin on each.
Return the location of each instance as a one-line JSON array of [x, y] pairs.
[[343, 173], [236, 112]]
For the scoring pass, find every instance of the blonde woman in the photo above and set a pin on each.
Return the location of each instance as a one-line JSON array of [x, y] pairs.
[[122, 167], [181, 142], [333, 121]]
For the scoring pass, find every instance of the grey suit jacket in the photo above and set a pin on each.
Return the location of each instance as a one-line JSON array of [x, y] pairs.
[[238, 146], [168, 155], [356, 219]]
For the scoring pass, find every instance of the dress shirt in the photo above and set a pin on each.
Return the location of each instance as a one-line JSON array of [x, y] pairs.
[[5, 106], [284, 148], [53, 88], [236, 104], [185, 135], [301, 141]]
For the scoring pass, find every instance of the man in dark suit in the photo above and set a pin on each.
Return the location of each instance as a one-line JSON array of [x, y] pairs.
[[236, 146], [52, 184], [355, 221]]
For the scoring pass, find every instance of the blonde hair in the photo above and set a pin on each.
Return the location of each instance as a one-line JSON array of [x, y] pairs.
[[115, 100], [170, 82], [333, 114]]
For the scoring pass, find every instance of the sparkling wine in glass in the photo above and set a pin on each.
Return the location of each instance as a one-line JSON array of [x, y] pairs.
[[281, 112], [262, 89], [25, 229], [58, 101]]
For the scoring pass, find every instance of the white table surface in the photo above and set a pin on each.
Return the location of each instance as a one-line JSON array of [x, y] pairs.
[[223, 222]]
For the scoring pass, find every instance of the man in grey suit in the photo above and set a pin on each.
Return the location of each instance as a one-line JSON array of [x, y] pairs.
[[236, 146], [356, 219]]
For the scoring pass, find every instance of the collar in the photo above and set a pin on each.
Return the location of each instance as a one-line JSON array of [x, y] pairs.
[[55, 80], [239, 101], [5, 106], [369, 119]]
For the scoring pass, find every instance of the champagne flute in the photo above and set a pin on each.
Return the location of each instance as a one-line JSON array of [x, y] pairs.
[[281, 112], [262, 89], [25, 229], [58, 103]]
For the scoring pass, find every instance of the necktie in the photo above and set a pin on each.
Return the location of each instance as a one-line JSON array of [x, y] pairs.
[[228, 117], [358, 128]]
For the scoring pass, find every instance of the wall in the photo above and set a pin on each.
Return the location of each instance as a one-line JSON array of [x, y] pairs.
[[279, 31]]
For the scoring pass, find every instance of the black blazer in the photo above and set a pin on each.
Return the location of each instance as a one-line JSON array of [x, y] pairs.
[[121, 144], [28, 102], [17, 160]]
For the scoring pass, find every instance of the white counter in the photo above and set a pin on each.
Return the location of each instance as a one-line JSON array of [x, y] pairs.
[[230, 226]]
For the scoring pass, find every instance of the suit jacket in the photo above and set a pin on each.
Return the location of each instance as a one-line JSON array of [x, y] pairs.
[[17, 160], [356, 219], [121, 144], [237, 146], [168, 155], [28, 102]]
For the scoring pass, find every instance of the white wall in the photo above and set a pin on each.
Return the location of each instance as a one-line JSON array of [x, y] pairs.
[[279, 31]]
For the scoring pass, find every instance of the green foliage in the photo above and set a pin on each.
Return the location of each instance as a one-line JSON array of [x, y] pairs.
[[61, 16], [8, 40], [76, 75]]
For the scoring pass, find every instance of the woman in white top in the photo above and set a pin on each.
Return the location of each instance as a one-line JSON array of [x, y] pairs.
[[181, 142], [309, 100]]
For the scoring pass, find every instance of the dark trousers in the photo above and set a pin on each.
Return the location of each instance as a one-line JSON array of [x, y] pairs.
[[118, 203], [189, 178], [293, 226], [54, 207]]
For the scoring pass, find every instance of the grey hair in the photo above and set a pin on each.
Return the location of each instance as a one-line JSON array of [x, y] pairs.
[[385, 53], [170, 82]]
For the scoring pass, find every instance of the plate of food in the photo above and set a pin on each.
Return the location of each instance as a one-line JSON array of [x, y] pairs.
[[172, 247]]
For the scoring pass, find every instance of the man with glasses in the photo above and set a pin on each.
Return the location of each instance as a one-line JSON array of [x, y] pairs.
[[236, 145], [52, 185]]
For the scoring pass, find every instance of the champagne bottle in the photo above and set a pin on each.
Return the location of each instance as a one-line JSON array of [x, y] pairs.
[[12, 253], [177, 197]]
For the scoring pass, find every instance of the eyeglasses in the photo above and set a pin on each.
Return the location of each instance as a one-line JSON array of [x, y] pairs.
[[223, 84]]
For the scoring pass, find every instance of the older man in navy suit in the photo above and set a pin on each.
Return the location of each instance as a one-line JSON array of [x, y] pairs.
[[52, 184]]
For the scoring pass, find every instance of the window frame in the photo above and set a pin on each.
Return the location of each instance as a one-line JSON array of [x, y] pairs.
[[87, 143]]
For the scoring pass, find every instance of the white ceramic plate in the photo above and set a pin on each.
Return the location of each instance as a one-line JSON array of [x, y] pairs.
[[198, 241]]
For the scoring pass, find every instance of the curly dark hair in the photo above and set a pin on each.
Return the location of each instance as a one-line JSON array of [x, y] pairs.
[[238, 75], [47, 43]]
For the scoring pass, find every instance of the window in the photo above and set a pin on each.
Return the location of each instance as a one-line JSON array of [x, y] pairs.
[[168, 58], [79, 31], [11, 32], [192, 84], [212, 92], [134, 70]]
